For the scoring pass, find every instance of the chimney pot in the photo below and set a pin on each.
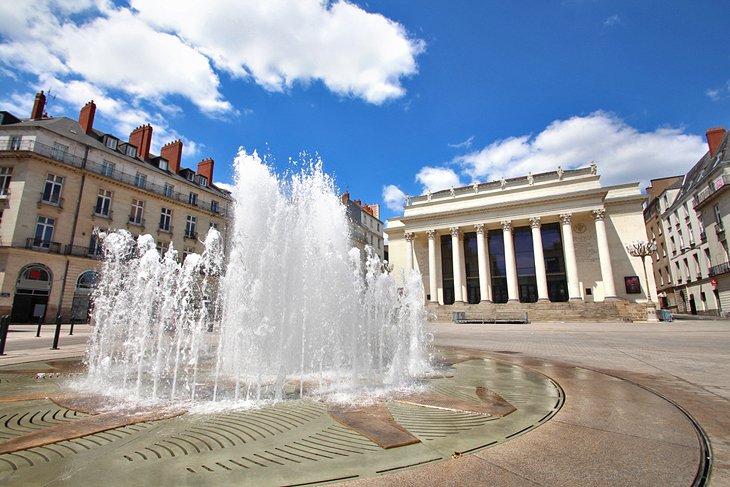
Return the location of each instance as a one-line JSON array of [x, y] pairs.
[[172, 151], [205, 168], [714, 138], [38, 106], [86, 117], [141, 137]]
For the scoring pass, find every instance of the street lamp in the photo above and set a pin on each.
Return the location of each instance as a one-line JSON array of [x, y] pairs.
[[642, 248]]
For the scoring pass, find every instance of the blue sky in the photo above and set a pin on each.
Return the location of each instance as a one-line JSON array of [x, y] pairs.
[[396, 96]]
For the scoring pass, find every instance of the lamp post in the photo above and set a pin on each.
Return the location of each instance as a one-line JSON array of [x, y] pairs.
[[642, 248]]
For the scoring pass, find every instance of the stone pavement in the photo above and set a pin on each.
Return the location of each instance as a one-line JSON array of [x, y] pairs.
[[617, 426]]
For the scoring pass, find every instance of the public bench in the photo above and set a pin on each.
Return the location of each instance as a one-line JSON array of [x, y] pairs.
[[498, 317]]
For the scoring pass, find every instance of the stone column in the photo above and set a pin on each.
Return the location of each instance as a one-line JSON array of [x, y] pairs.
[[510, 263], [571, 266], [485, 284], [464, 293], [604, 255], [456, 258], [432, 282], [409, 250], [540, 274]]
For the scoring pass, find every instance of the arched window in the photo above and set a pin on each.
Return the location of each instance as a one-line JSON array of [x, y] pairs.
[[87, 280], [34, 279]]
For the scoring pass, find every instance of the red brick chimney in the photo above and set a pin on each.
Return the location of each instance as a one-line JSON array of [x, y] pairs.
[[345, 197], [86, 117], [714, 137], [141, 137], [38, 105], [205, 168], [172, 151]]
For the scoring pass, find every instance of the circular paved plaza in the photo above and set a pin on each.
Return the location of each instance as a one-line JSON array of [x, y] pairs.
[[536, 404]]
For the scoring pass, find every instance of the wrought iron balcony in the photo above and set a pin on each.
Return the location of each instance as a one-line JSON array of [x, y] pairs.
[[117, 175], [706, 193], [43, 245], [719, 269]]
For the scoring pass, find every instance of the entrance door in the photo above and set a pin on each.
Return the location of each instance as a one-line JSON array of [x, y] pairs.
[[32, 288], [692, 305]]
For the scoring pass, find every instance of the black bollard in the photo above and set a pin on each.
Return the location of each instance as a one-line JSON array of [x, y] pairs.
[[40, 321], [4, 325], [57, 335], [71, 331]]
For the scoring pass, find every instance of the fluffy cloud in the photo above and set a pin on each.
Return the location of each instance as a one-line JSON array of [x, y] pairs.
[[623, 153], [281, 42], [437, 178], [393, 197], [151, 51]]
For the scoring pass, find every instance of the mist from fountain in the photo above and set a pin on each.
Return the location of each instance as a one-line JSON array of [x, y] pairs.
[[294, 312]]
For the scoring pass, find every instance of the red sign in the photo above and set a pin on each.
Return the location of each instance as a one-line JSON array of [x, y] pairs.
[[714, 283]]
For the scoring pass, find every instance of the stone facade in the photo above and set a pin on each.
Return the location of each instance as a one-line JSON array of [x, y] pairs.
[[61, 179], [544, 242]]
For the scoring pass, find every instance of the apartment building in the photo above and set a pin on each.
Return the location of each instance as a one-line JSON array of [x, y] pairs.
[[712, 204], [660, 195], [61, 180], [691, 255], [366, 228]]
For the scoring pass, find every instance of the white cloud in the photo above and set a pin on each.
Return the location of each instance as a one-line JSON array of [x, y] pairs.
[[463, 145], [437, 178], [612, 20], [282, 42], [713, 94], [623, 153], [393, 197]]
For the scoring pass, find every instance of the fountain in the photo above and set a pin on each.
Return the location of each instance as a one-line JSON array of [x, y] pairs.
[[293, 312]]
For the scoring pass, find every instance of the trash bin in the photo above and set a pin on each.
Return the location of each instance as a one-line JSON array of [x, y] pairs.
[[664, 315], [457, 316]]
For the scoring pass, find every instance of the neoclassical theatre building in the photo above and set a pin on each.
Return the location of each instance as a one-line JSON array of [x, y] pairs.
[[551, 244]]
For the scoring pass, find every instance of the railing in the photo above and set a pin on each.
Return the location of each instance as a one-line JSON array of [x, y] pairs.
[[167, 229], [51, 200], [135, 221], [720, 269], [117, 175], [107, 215], [43, 245], [83, 251], [710, 190]]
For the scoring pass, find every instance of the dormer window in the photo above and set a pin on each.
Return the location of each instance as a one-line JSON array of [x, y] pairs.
[[131, 151], [202, 180], [111, 143], [163, 164], [189, 175]]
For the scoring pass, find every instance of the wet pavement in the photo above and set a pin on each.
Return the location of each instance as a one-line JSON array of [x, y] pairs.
[[631, 393]]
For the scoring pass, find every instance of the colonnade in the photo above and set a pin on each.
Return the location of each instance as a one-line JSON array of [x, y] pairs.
[[485, 283]]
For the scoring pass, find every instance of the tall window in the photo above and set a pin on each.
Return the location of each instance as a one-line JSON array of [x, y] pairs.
[[165, 220], [52, 190], [107, 168], [190, 224], [140, 180], [136, 217], [44, 232], [214, 206], [59, 151], [193, 199], [5, 175], [718, 216], [103, 203], [162, 248], [94, 246], [15, 142], [169, 188], [187, 251]]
